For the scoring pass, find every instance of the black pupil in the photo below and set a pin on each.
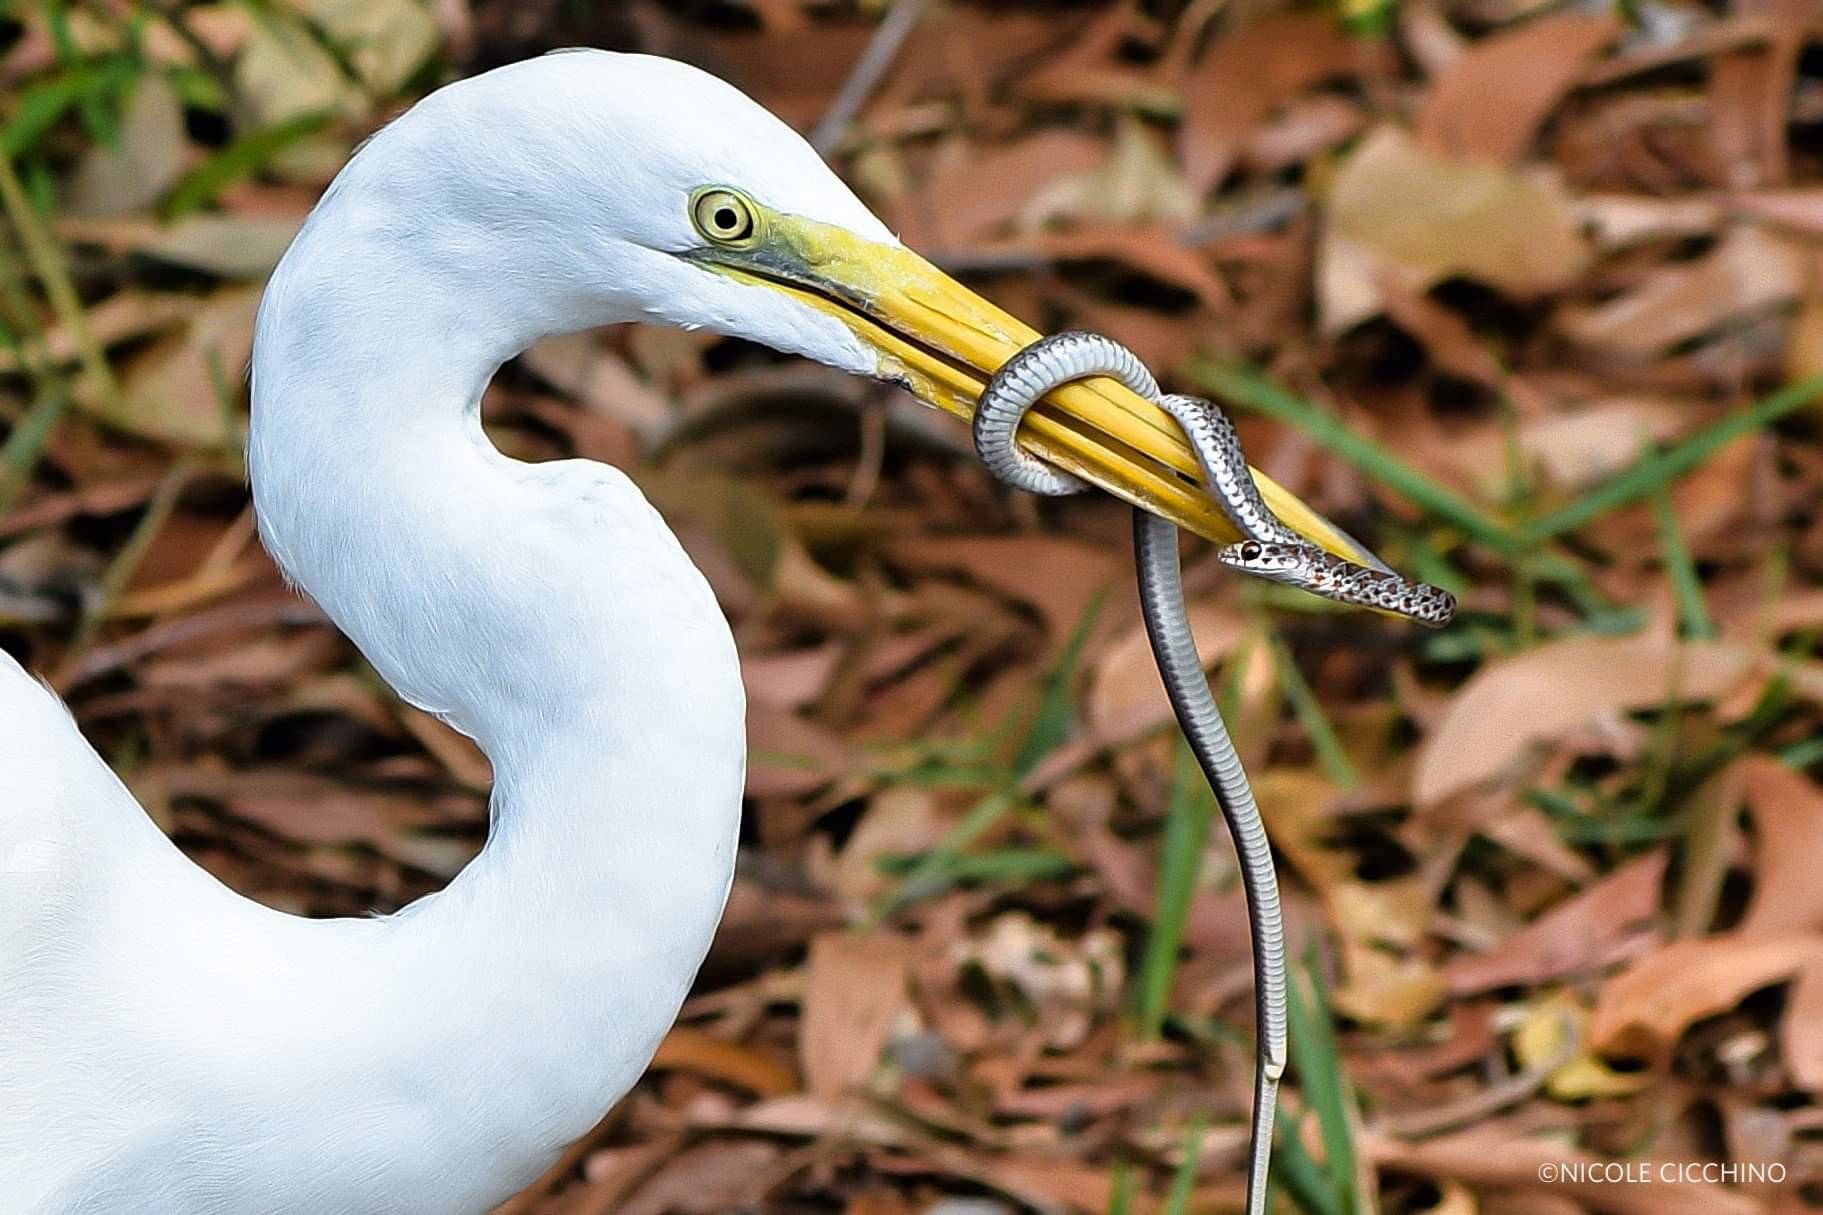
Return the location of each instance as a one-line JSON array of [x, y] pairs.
[[726, 219], [1250, 551]]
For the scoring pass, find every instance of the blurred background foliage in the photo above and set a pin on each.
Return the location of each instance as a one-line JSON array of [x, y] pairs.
[[1529, 295]]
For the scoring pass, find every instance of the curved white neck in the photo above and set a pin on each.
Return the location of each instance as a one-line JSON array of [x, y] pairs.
[[542, 609]]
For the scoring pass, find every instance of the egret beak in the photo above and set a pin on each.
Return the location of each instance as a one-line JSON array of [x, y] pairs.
[[943, 342]]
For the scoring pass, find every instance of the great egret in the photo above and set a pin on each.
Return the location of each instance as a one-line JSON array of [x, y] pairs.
[[169, 1046]]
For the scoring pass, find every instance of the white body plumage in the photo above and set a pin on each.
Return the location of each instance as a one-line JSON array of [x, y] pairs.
[[166, 1045]]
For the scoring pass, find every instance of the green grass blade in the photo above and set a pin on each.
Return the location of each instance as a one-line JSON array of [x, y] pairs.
[[1680, 568], [1317, 1057], [42, 104], [1121, 1201], [1299, 1175], [998, 865], [239, 159], [1262, 396], [931, 873], [23, 446], [1309, 710], [1057, 707], [46, 258], [1658, 468], [1188, 814], [1183, 1184]]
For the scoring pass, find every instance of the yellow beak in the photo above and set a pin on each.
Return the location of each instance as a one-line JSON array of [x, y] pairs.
[[944, 342]]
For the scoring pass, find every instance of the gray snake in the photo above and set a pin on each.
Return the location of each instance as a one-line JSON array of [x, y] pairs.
[[1268, 549]]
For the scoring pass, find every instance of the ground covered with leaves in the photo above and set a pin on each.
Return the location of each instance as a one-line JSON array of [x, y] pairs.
[[1528, 296]]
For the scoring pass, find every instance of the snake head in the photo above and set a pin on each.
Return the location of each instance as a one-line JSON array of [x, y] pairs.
[[1296, 565], [1312, 569]]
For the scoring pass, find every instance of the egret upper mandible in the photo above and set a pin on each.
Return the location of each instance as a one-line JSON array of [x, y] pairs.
[[169, 1046]]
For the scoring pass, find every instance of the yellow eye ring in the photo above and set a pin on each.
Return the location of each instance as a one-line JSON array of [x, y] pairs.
[[722, 216]]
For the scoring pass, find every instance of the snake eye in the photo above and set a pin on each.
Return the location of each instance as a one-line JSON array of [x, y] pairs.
[[1251, 551], [722, 216]]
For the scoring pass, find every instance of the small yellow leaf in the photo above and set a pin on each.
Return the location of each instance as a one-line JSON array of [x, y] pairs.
[[1554, 1031]]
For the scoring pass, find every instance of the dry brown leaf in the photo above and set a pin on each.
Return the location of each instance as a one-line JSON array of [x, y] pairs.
[[1138, 183], [708, 1179], [1126, 697], [1641, 1012], [453, 749], [1246, 75], [797, 71], [1787, 810], [1553, 1037], [1447, 336], [313, 809], [704, 1054], [1080, 1187], [1576, 449], [228, 244], [271, 661], [580, 366], [1305, 130], [1578, 934], [900, 820], [802, 1114], [151, 153], [856, 991], [1493, 99], [1804, 351], [1454, 1198], [175, 389], [1154, 250], [1749, 91], [124, 315], [787, 755], [285, 71], [1059, 577], [1797, 210], [1068, 982], [791, 679], [1527, 831], [1396, 209], [1616, 221], [881, 1201], [1749, 271], [1801, 1032], [1542, 694], [983, 190], [1384, 989]]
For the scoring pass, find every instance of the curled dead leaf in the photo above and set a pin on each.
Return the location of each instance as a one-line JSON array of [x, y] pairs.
[[186, 388], [705, 1054], [1247, 74], [1579, 933], [1544, 693], [1751, 270], [1787, 809], [854, 994], [1642, 1012], [1399, 210], [1490, 102]]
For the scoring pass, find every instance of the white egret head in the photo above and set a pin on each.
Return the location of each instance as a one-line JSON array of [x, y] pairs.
[[587, 188]]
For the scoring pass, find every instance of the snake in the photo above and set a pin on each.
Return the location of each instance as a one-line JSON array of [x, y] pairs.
[[1268, 548]]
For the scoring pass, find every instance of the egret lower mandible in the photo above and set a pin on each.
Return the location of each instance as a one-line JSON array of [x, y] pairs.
[[168, 1046]]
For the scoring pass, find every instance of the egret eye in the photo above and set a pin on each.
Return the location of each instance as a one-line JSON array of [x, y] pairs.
[[722, 216], [1250, 551]]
